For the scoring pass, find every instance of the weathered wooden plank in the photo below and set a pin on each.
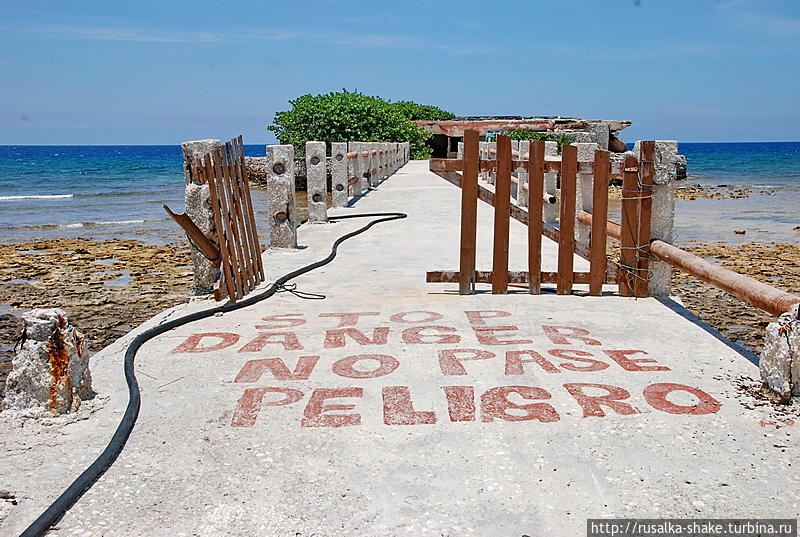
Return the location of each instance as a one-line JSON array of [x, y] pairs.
[[646, 170], [502, 207], [535, 207], [237, 221], [227, 231], [469, 213], [227, 278], [251, 219], [566, 226], [630, 227], [597, 254]]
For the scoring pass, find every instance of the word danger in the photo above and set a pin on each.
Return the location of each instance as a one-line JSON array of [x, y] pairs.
[[575, 350]]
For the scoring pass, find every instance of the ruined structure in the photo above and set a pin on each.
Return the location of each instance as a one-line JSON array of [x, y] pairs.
[[50, 372]]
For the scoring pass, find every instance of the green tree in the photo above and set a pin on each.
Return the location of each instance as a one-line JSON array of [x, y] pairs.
[[351, 116], [414, 111]]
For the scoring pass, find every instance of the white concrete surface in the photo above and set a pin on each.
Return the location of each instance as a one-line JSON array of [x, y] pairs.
[[205, 460]]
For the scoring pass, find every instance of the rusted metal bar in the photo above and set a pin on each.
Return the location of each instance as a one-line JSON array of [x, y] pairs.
[[597, 255], [206, 247], [745, 288], [514, 277], [469, 213], [502, 209], [535, 205], [566, 221]]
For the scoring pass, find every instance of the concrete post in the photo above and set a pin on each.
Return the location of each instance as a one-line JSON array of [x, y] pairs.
[[522, 174], [779, 364], [355, 167], [663, 216], [492, 155], [551, 210], [316, 182], [601, 134], [197, 198], [281, 197], [514, 170], [369, 170], [381, 175], [584, 191], [50, 371], [339, 162]]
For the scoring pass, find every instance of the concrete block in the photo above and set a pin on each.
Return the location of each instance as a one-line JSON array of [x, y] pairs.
[[663, 216], [197, 199], [583, 189], [780, 359], [316, 182], [196, 149], [339, 176], [522, 174], [281, 203], [356, 167], [50, 372], [601, 134], [550, 149]]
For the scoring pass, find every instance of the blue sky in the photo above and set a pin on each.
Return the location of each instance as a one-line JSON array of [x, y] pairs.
[[161, 72]]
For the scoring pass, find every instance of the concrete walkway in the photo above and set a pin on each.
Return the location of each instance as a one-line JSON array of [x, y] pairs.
[[396, 407]]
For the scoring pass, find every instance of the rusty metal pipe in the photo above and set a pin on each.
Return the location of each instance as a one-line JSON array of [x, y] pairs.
[[754, 292]]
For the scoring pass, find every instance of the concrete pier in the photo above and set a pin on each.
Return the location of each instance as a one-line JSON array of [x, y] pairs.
[[395, 407]]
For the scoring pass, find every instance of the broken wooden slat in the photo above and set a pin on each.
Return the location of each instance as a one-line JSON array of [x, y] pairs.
[[646, 170], [502, 204], [535, 207], [469, 213], [227, 279], [252, 230], [597, 254], [237, 222], [566, 227], [630, 227]]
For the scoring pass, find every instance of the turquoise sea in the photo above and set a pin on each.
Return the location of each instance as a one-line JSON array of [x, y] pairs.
[[112, 191]]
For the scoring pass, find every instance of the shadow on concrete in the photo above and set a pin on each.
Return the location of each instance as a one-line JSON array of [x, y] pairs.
[[686, 314]]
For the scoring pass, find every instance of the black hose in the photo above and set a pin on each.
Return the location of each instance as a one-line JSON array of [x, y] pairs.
[[84, 482]]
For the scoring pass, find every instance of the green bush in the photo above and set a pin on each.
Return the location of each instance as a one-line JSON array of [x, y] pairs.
[[414, 111], [344, 116], [525, 134]]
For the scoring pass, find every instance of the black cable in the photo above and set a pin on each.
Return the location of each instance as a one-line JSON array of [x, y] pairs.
[[84, 482]]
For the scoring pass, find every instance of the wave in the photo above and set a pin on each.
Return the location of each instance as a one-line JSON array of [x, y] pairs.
[[36, 197], [87, 224]]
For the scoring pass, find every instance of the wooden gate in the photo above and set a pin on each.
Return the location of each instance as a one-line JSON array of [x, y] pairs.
[[237, 251], [630, 272]]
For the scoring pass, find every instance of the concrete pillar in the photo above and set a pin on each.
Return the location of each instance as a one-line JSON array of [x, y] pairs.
[[369, 166], [779, 364], [281, 205], [551, 210], [339, 176], [460, 153], [584, 191], [197, 198], [522, 173], [514, 171], [663, 216], [316, 182], [492, 155], [601, 134], [50, 371], [355, 167]]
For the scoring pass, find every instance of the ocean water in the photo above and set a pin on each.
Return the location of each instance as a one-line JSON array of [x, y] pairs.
[[117, 191], [91, 191]]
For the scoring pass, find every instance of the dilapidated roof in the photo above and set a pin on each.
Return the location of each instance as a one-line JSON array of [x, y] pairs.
[[485, 124]]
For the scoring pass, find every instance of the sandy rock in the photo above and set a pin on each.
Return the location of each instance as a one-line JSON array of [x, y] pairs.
[[780, 361], [50, 372]]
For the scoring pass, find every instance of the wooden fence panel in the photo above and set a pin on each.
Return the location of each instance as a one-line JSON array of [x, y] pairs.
[[469, 213], [597, 254], [535, 209], [502, 212], [646, 171], [630, 227], [566, 227]]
